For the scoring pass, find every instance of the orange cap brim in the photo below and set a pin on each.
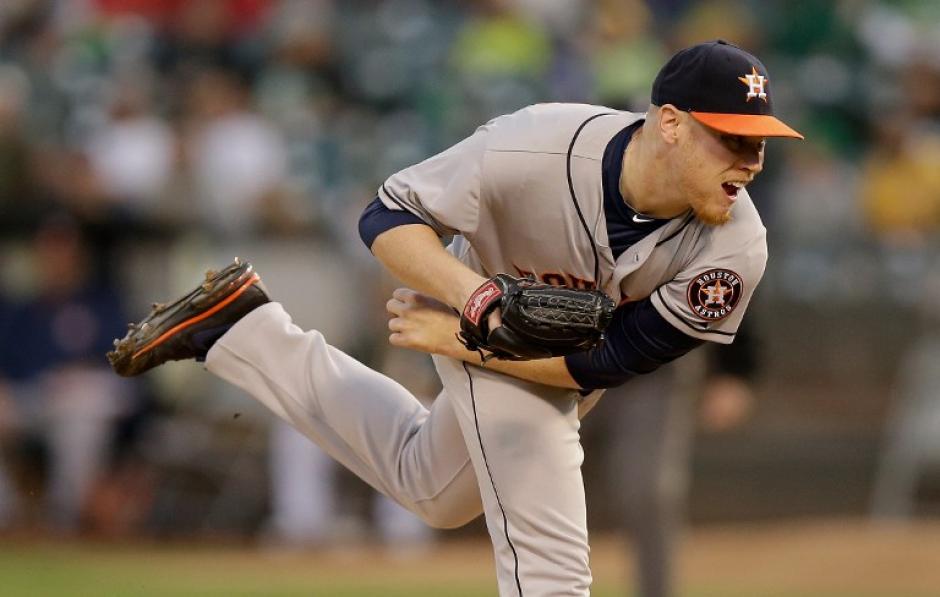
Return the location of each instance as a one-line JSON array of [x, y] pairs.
[[749, 125]]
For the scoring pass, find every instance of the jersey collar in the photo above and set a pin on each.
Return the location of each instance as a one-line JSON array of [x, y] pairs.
[[625, 226]]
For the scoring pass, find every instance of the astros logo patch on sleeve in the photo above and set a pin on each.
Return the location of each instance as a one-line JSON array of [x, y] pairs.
[[714, 294]]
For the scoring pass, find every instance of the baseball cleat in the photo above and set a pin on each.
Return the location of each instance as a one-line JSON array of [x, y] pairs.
[[188, 327]]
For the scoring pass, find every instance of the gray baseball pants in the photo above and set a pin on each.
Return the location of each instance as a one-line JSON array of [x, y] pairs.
[[513, 443]]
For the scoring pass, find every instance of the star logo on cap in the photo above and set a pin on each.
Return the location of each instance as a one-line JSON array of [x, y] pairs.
[[755, 84]]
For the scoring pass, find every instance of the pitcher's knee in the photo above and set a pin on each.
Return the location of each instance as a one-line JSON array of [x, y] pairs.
[[446, 516]]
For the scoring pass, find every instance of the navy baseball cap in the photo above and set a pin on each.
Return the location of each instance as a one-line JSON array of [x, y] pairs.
[[723, 87]]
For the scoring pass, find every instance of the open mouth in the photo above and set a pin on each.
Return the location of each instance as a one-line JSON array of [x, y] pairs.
[[731, 189]]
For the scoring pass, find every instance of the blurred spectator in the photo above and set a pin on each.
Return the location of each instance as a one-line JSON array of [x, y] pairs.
[[650, 423], [133, 152], [298, 93], [63, 394], [726, 19], [9, 498], [306, 503], [501, 60], [901, 185], [17, 192], [238, 161], [902, 203], [910, 450], [818, 195], [498, 40], [198, 34], [624, 54]]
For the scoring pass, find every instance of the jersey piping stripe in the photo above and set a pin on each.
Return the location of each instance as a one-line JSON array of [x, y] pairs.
[[688, 220], [574, 198], [701, 330], [476, 424]]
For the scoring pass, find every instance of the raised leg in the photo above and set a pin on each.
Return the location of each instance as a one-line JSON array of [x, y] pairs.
[[364, 420]]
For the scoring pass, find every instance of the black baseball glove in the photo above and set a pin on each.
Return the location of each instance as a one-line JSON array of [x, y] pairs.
[[538, 320]]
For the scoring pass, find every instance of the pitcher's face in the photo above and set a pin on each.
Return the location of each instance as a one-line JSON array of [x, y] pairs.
[[715, 166]]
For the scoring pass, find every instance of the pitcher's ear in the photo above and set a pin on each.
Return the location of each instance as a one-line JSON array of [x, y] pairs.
[[668, 120]]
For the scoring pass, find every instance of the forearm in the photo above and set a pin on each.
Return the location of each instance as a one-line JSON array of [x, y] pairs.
[[413, 253], [551, 372], [421, 323]]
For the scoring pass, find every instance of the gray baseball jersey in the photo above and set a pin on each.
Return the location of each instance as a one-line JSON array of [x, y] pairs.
[[524, 193]]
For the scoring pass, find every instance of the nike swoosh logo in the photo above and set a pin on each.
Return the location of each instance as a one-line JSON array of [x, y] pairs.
[[641, 219]]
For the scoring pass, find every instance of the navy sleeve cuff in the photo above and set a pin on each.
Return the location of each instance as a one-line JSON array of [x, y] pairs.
[[638, 341], [377, 218], [740, 358]]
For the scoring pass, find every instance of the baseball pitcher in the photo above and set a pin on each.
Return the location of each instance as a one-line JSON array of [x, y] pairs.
[[589, 246]]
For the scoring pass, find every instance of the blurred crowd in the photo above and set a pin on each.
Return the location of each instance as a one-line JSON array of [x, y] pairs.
[[141, 140]]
